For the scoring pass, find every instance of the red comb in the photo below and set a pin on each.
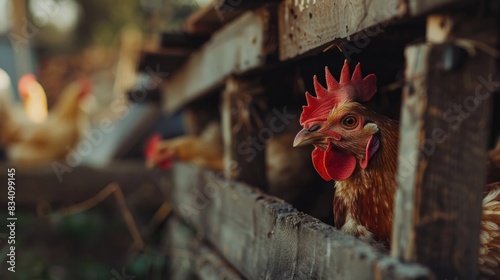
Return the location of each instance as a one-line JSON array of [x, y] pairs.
[[24, 83], [86, 86], [151, 145], [349, 89]]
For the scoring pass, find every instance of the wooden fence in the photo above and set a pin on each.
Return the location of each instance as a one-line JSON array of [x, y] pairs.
[[243, 233]]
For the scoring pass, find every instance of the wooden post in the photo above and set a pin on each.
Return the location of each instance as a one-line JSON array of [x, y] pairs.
[[244, 152], [444, 131]]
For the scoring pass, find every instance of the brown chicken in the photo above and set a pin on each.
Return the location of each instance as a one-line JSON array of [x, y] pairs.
[[28, 143], [289, 176], [358, 149], [205, 150]]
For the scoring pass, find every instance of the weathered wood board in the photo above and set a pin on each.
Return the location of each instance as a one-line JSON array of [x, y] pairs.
[[218, 13], [266, 238], [313, 26], [240, 46], [444, 133], [190, 258]]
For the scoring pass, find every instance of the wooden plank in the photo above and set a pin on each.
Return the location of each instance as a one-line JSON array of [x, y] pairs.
[[218, 13], [266, 238], [307, 27], [180, 246], [444, 133], [43, 185], [172, 51], [244, 160], [189, 257], [239, 47], [420, 7], [210, 266]]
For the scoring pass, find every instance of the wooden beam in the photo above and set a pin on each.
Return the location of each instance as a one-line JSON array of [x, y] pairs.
[[244, 155], [307, 27], [239, 47], [218, 13], [180, 245], [420, 7], [211, 266], [266, 238], [190, 257], [444, 134]]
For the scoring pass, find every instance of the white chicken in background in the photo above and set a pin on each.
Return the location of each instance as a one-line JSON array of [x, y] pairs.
[[28, 143], [34, 98]]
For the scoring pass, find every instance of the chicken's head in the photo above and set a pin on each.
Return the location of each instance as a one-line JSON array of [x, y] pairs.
[[156, 155], [29, 88], [338, 126]]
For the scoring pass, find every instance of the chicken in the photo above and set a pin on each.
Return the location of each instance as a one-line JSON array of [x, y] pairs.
[[34, 98], [12, 115], [358, 148], [289, 177], [205, 150], [29, 144]]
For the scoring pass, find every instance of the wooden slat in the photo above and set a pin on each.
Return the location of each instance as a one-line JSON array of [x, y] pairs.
[[179, 244], [242, 161], [266, 238], [210, 266], [240, 46], [420, 7], [444, 134], [189, 257], [218, 13], [307, 27]]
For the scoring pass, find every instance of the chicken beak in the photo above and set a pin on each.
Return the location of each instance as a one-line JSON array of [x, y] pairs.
[[304, 137]]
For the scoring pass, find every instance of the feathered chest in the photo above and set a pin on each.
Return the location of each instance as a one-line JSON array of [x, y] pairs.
[[363, 204]]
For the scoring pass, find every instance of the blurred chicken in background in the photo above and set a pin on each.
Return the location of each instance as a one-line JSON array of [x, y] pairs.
[[28, 143], [290, 174], [205, 150], [34, 98]]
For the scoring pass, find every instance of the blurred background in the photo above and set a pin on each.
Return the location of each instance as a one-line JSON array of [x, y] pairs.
[[60, 42]]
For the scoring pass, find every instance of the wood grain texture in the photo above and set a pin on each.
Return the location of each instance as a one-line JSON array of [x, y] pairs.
[[218, 13], [191, 258], [444, 133], [243, 45], [266, 238], [306, 26], [211, 266]]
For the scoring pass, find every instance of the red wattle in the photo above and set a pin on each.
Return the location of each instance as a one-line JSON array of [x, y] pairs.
[[333, 164], [318, 159], [339, 164]]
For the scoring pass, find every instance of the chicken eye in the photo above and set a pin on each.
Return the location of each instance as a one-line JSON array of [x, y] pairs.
[[314, 128], [349, 122]]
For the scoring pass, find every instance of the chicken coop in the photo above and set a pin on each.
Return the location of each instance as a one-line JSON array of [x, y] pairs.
[[255, 207]]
